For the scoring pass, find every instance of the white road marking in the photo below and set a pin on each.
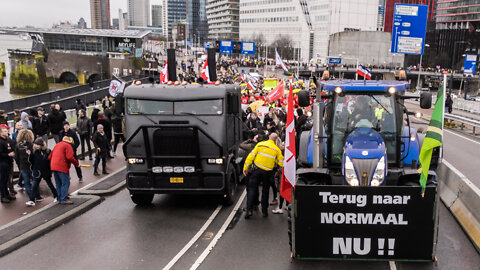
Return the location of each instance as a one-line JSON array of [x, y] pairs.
[[393, 266], [219, 233], [194, 239]]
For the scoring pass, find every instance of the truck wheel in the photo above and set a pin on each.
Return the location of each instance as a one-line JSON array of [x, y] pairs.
[[289, 212], [231, 186], [141, 199]]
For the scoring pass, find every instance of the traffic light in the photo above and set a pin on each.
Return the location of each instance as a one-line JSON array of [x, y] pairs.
[[237, 47], [217, 46]]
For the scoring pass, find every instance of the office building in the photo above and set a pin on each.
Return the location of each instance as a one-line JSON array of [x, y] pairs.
[[197, 21], [139, 12], [157, 15], [100, 14], [223, 19]]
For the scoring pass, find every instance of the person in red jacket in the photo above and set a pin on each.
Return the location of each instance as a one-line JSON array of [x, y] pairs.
[[61, 158]]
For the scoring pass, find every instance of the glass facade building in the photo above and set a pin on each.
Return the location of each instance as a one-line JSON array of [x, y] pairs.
[[197, 21], [176, 11]]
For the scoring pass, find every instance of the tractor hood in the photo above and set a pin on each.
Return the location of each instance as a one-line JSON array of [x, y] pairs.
[[364, 143]]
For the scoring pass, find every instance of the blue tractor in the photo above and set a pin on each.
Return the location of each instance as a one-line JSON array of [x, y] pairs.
[[357, 188]]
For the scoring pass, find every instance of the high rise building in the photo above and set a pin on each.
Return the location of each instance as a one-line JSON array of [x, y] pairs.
[[100, 13], [157, 15], [173, 11], [82, 24], [139, 13], [308, 23], [197, 21], [223, 18], [122, 20]]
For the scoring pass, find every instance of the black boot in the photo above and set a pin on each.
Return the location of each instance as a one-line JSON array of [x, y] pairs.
[[96, 173]]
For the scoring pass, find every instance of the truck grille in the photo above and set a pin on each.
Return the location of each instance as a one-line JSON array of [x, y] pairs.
[[174, 142], [363, 166]]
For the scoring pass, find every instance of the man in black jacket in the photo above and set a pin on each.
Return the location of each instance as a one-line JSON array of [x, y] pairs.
[[107, 127], [6, 156], [67, 131], [55, 122], [102, 148], [40, 125]]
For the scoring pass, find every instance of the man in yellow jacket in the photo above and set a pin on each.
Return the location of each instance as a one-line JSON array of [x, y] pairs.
[[263, 159]]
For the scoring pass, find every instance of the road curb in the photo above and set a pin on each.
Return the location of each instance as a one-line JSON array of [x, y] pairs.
[[87, 190], [462, 198], [38, 231]]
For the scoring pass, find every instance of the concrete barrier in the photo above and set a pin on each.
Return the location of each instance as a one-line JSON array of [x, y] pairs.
[[462, 198]]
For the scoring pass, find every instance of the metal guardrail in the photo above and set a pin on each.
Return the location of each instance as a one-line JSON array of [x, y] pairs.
[[463, 120]]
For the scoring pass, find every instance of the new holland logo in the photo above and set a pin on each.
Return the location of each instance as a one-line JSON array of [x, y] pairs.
[[365, 153]]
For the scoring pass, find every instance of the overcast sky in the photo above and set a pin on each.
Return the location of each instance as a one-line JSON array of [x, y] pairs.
[[45, 13]]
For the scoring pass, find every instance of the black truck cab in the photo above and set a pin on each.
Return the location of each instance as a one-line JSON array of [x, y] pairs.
[[182, 139]]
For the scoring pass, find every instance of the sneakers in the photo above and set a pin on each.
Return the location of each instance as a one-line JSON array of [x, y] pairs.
[[96, 173], [39, 199], [55, 200], [274, 202], [80, 180], [30, 203], [66, 202], [248, 214], [277, 211]]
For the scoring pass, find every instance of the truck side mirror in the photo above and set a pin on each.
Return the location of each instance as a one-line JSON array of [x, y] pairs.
[[303, 99], [425, 100], [233, 103]]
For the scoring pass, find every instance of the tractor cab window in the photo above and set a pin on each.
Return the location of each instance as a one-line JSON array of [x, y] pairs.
[[353, 111]]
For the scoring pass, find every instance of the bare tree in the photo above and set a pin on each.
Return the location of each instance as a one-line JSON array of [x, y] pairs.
[[260, 42], [284, 45]]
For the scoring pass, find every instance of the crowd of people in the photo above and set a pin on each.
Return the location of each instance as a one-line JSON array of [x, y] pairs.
[[265, 144], [27, 145]]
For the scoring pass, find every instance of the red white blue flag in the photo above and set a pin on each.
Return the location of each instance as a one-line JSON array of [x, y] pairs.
[[363, 71]]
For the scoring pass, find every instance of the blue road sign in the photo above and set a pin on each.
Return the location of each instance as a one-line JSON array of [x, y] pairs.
[[470, 64], [207, 45], [248, 48], [409, 27], [226, 47], [335, 60]]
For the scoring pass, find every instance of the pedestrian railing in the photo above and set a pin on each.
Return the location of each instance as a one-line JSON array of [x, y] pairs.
[[463, 121]]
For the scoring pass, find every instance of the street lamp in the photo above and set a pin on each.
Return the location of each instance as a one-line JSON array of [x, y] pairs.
[[420, 70], [453, 64], [101, 70]]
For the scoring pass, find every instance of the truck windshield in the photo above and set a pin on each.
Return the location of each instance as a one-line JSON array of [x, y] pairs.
[[359, 110], [157, 107]]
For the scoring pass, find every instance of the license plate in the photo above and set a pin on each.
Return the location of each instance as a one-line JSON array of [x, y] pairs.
[[176, 180]]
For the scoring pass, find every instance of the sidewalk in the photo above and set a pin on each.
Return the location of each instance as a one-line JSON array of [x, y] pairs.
[[17, 208]]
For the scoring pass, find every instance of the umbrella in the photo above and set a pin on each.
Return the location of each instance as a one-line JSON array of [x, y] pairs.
[[256, 104]]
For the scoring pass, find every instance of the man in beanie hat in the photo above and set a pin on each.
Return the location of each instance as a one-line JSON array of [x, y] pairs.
[[41, 168], [102, 147], [61, 158], [67, 131], [40, 125]]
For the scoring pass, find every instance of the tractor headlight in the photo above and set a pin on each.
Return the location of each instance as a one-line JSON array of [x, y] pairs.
[[350, 174], [379, 174]]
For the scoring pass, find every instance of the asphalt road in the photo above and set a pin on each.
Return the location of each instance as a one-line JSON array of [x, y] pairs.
[[119, 235], [461, 149]]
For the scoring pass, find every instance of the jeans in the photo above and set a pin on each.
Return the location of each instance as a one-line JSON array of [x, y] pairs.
[[258, 177], [37, 178], [97, 161], [26, 176], [85, 139], [62, 181], [4, 174], [78, 169]]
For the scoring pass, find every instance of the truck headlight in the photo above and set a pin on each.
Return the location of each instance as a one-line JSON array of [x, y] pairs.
[[379, 174], [350, 174], [136, 160], [215, 161]]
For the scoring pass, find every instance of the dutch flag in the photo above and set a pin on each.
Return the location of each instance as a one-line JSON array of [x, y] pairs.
[[252, 85], [363, 71]]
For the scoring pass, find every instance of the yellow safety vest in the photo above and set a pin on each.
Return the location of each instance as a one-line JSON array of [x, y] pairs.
[[379, 113], [265, 155]]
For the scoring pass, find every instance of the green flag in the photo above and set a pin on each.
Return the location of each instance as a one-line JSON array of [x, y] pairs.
[[432, 139]]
